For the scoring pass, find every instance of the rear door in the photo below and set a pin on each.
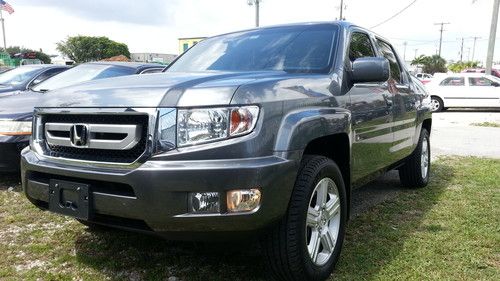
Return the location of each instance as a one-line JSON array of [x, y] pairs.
[[455, 92], [370, 104], [404, 112]]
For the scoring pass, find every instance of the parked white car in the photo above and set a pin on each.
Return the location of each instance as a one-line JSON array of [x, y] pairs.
[[464, 90]]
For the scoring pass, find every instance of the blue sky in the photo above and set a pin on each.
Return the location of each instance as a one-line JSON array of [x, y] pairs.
[[155, 25]]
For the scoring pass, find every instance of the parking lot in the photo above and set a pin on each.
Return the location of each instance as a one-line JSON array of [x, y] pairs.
[[466, 133]]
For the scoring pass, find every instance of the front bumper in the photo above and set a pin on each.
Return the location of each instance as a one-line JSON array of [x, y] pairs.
[[154, 196], [10, 152]]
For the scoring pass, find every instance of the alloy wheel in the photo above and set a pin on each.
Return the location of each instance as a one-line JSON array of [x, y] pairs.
[[424, 158], [323, 221]]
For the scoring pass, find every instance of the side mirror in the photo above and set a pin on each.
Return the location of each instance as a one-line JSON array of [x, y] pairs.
[[370, 69]]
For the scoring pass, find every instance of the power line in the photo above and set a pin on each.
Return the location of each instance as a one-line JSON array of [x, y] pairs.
[[395, 15]]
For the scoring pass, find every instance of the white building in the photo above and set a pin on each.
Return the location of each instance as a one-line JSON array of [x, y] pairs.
[[152, 57]]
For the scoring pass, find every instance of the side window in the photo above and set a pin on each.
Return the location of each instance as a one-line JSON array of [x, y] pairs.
[[480, 81], [390, 55], [46, 75], [453, 81], [360, 46]]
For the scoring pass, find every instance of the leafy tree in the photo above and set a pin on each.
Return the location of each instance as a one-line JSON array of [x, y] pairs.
[[12, 50], [430, 64], [461, 65], [87, 48]]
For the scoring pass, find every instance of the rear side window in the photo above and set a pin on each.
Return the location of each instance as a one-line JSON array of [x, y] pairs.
[[390, 55], [360, 46], [453, 81], [480, 81]]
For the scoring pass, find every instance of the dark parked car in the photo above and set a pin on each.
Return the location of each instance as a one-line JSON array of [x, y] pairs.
[[25, 77], [16, 111], [262, 132]]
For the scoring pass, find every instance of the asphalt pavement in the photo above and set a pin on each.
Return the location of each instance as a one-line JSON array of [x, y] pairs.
[[454, 134]]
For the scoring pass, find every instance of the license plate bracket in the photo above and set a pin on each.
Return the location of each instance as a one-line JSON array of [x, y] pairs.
[[69, 198]]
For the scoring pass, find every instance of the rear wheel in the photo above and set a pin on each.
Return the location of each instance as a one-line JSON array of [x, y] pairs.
[[306, 243], [436, 104], [416, 169]]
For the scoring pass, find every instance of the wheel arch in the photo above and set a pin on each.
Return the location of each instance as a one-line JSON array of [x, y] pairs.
[[337, 148]]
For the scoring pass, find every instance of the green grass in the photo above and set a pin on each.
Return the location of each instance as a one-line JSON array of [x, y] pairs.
[[487, 124], [447, 231]]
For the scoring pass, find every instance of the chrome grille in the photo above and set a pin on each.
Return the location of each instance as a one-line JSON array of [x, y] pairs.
[[119, 138]]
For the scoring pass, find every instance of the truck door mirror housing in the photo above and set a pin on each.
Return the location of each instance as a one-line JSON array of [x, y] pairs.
[[370, 69]]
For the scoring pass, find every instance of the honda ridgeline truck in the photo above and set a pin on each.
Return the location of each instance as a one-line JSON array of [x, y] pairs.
[[263, 132]]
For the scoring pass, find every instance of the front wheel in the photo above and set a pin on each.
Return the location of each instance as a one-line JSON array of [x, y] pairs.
[[306, 243]]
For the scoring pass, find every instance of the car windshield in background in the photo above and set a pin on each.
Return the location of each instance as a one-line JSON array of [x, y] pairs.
[[18, 75], [274, 49], [82, 73]]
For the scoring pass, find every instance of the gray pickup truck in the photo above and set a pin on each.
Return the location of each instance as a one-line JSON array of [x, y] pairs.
[[261, 133]]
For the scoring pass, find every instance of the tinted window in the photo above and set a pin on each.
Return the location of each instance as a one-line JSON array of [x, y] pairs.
[[453, 81], [281, 49], [46, 75], [360, 46], [480, 81], [389, 54], [82, 73]]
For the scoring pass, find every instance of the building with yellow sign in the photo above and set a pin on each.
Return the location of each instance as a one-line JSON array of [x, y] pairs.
[[186, 43]]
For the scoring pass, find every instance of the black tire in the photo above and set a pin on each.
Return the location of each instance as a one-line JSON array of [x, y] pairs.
[[411, 173], [439, 104], [285, 245]]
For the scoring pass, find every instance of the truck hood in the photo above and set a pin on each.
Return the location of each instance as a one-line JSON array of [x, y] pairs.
[[156, 90]]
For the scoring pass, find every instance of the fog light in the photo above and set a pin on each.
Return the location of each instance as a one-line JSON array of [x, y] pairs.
[[204, 202], [243, 200]]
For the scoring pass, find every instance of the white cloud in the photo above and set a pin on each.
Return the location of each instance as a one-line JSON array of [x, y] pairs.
[[38, 25]]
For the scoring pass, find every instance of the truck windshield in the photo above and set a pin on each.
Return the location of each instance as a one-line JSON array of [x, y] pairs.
[[82, 73], [290, 49]]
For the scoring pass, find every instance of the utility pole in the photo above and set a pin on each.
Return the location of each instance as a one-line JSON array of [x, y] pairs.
[[257, 10], [341, 9], [404, 53], [493, 33], [474, 46], [462, 49], [441, 34]]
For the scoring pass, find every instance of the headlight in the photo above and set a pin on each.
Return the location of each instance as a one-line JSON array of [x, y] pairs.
[[15, 128], [195, 126]]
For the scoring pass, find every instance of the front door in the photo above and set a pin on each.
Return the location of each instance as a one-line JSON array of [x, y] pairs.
[[483, 92], [370, 104]]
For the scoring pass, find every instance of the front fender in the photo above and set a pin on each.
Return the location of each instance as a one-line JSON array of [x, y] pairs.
[[300, 127]]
